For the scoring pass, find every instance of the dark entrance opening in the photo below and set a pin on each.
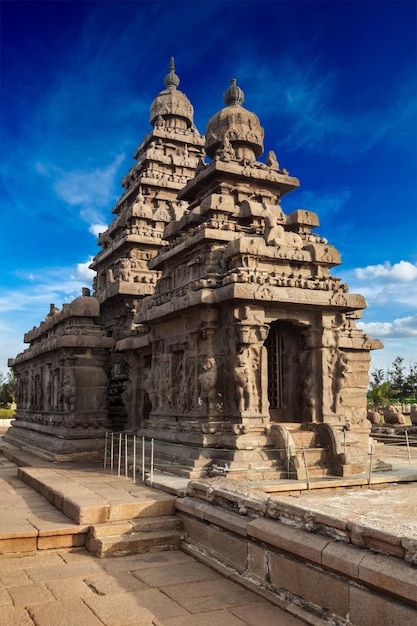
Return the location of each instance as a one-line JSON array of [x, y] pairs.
[[285, 372]]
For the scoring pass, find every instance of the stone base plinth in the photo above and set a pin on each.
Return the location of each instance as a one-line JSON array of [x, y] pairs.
[[320, 554], [201, 454], [52, 444]]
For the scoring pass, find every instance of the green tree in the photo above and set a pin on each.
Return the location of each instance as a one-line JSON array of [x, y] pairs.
[[401, 383], [411, 382], [379, 390], [379, 395], [7, 386], [397, 378]]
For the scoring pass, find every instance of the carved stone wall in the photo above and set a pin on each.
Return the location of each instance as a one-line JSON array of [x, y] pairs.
[[62, 384]]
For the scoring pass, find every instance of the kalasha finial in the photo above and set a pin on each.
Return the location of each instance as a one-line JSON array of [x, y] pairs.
[[233, 96], [171, 80]]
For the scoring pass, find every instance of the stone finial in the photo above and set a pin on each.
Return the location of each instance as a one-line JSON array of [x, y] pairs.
[[233, 96], [85, 292], [171, 80]]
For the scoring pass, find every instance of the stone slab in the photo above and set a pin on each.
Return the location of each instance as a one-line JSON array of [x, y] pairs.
[[209, 595], [233, 549], [175, 574], [149, 604], [28, 595], [342, 558], [212, 618], [264, 613], [92, 497], [390, 575], [15, 616], [69, 588], [53, 542], [104, 584], [71, 612], [136, 543]]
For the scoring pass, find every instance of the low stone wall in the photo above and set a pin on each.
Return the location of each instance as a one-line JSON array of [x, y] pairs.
[[334, 581]]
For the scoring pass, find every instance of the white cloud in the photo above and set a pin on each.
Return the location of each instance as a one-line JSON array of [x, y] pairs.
[[399, 328], [84, 272], [96, 229], [27, 303], [88, 188], [391, 288], [34, 294], [92, 190], [403, 271]]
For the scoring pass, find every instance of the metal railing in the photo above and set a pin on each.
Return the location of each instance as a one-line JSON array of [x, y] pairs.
[[133, 456]]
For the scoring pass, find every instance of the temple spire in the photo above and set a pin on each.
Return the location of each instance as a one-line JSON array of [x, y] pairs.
[[233, 96], [171, 80]]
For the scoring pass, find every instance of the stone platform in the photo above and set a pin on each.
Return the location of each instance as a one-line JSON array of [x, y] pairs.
[[340, 553], [47, 578]]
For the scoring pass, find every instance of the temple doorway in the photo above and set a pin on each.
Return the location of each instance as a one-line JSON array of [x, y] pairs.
[[286, 373]]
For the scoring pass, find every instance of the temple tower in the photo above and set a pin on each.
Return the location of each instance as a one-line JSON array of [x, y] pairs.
[[165, 160], [252, 339]]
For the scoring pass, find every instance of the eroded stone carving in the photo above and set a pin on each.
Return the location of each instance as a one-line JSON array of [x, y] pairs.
[[392, 415], [207, 380]]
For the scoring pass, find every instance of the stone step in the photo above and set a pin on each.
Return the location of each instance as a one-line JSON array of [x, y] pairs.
[[94, 497], [306, 438], [148, 524], [134, 543], [315, 456]]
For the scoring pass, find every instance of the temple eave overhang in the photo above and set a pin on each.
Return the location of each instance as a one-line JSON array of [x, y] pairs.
[[318, 253], [173, 135], [132, 343], [76, 341], [127, 288], [125, 239], [259, 174], [267, 295]]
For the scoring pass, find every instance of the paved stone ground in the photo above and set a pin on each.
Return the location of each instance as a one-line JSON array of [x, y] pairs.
[[163, 589], [73, 588]]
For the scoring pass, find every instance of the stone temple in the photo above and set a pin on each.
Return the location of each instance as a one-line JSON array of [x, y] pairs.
[[215, 327]]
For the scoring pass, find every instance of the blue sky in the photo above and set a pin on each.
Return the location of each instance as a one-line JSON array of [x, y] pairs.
[[333, 83]]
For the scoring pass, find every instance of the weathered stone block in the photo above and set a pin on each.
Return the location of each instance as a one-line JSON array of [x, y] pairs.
[[85, 514], [154, 508], [325, 590], [307, 545], [227, 548], [231, 521], [342, 558], [257, 564], [367, 607], [390, 575], [192, 506]]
